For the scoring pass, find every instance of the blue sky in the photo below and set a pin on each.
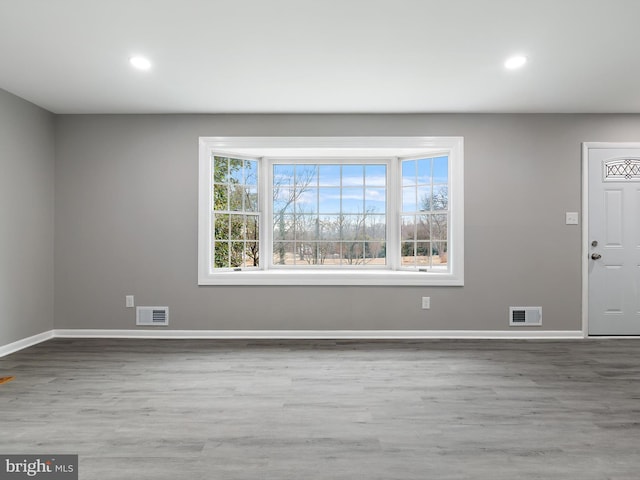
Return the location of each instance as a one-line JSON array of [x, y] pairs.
[[423, 170], [363, 186]]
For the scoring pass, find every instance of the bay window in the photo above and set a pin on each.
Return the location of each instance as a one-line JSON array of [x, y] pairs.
[[331, 211]]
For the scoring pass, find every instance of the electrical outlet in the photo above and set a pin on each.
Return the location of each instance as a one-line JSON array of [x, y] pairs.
[[426, 303], [129, 303]]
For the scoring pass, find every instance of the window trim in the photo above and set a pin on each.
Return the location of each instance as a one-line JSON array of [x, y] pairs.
[[332, 147]]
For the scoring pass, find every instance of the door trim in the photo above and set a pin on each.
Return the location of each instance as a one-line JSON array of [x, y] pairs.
[[586, 146]]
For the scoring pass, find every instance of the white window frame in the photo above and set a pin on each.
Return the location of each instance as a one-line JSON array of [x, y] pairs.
[[238, 157], [339, 149]]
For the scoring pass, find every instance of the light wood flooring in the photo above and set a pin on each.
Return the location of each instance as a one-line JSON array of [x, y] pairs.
[[305, 410]]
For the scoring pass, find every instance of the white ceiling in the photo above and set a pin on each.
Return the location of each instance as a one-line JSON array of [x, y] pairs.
[[322, 56]]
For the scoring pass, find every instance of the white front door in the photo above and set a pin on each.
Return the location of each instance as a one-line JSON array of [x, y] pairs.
[[613, 248]]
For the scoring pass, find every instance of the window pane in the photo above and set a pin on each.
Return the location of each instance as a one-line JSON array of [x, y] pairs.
[[251, 172], [441, 170], [251, 199], [352, 253], [236, 254], [423, 231], [408, 227], [221, 228], [283, 200], [220, 197], [237, 227], [307, 227], [279, 229], [424, 198], [352, 227], [283, 253], [317, 254], [440, 197], [408, 253], [221, 255], [253, 230], [440, 256], [300, 196], [306, 253], [330, 227], [307, 201], [236, 171], [423, 254], [251, 255], [409, 199], [375, 175], [439, 226], [306, 176], [329, 200], [220, 170], [375, 227], [375, 253], [409, 172], [328, 253], [375, 200], [283, 227], [236, 194], [352, 175], [329, 175], [283, 175], [353, 200], [424, 171]]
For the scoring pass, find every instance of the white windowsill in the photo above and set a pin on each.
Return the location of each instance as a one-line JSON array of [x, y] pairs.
[[332, 277]]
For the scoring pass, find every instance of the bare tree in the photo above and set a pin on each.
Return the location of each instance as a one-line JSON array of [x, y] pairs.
[[437, 205], [352, 233], [291, 195]]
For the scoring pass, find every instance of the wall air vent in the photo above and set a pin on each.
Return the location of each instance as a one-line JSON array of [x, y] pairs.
[[525, 316], [152, 316]]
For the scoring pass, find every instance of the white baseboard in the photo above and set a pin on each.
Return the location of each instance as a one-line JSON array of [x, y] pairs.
[[321, 334], [25, 342], [295, 335]]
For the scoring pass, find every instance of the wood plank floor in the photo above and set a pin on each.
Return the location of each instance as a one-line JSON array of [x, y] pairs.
[[304, 410]]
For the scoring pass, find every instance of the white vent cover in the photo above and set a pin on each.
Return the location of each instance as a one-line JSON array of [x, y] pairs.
[[525, 316], [152, 316]]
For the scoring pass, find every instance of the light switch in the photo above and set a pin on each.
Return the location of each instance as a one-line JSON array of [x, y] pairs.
[[129, 301], [426, 303], [572, 218]]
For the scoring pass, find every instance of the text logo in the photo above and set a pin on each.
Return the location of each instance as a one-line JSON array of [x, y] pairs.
[[51, 467]]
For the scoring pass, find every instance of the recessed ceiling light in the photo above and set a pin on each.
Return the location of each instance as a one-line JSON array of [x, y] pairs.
[[141, 63], [515, 62]]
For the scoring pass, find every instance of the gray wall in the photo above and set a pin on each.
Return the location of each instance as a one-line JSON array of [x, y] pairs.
[[126, 223], [26, 218]]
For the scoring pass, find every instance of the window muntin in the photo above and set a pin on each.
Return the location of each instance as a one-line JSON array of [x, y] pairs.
[[235, 215], [329, 214], [424, 216], [336, 150]]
